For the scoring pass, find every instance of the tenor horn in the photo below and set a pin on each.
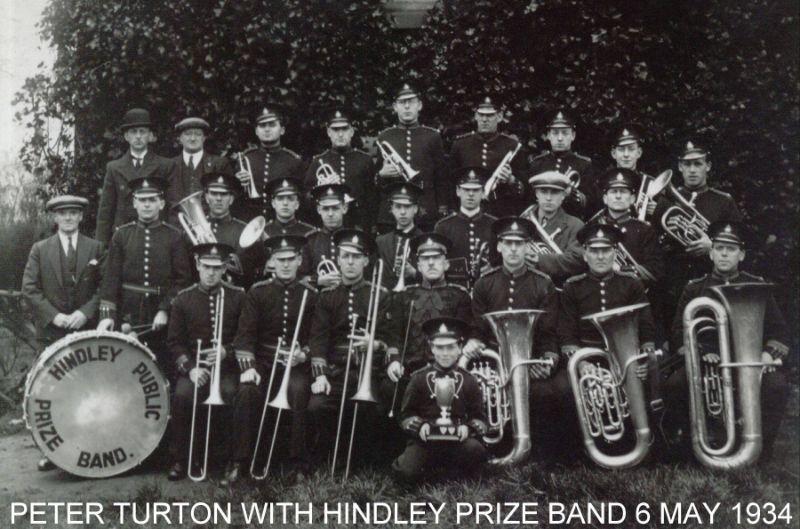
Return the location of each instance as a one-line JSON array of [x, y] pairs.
[[547, 245], [683, 222], [194, 221], [739, 315], [607, 396]]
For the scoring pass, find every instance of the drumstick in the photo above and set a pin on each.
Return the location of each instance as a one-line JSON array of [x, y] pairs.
[[402, 356]]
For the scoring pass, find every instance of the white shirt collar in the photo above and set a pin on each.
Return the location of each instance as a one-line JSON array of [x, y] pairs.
[[64, 238], [470, 213], [195, 157], [139, 156]]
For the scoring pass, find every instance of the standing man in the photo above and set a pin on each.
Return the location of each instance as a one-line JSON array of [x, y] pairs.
[[486, 148], [115, 207], [267, 162], [626, 152], [147, 265], [469, 229], [565, 260], [582, 201], [285, 200], [392, 245], [192, 323], [332, 207], [353, 167], [421, 148], [193, 163], [61, 278]]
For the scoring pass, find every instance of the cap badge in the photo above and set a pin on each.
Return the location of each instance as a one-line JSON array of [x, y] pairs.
[[145, 183], [600, 233], [620, 178], [728, 229], [338, 115], [559, 116], [220, 180], [625, 132], [443, 329], [515, 226], [284, 243], [213, 250], [689, 146], [355, 239]]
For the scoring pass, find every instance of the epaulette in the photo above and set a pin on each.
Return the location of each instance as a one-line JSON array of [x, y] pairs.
[[365, 153], [492, 270], [329, 289], [306, 282], [262, 283], [231, 286], [131, 223], [250, 149], [540, 273], [509, 136], [429, 128], [387, 129], [542, 155], [458, 287], [170, 226], [723, 193], [293, 153], [697, 280], [450, 216], [462, 136], [187, 289], [582, 157], [576, 278], [752, 276], [625, 273]]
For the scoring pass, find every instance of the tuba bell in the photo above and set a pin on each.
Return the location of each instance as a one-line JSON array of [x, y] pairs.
[[193, 219], [739, 317], [606, 397]]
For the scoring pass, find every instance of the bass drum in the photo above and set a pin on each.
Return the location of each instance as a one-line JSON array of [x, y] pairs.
[[96, 403]]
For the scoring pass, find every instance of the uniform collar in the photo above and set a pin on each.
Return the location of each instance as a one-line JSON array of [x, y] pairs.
[[340, 150], [443, 370], [605, 277], [625, 217], [409, 125], [290, 222], [285, 284], [150, 225], [272, 148], [475, 216], [698, 190], [355, 286], [724, 278], [405, 233], [516, 275], [209, 291], [488, 137], [561, 154], [429, 286], [226, 217]]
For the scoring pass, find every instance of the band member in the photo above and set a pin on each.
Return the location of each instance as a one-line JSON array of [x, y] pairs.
[[626, 152], [421, 148], [336, 309], [514, 286], [351, 166], [61, 278], [561, 134], [115, 198], [392, 245], [270, 313], [727, 254], [469, 229], [423, 418], [266, 162], [193, 163], [147, 265], [192, 325], [563, 260], [332, 207], [285, 201], [486, 148], [432, 297]]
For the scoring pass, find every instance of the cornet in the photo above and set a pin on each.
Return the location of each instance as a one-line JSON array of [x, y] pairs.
[[491, 183], [244, 165], [683, 222], [391, 156]]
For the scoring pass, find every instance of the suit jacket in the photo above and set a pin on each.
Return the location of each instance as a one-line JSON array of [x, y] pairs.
[[116, 203], [44, 287], [565, 227], [183, 181]]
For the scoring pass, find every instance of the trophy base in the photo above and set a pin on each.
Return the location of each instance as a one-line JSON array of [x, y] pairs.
[[444, 433], [442, 437]]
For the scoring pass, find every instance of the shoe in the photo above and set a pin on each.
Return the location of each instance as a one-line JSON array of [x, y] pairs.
[[44, 465], [177, 472], [233, 474]]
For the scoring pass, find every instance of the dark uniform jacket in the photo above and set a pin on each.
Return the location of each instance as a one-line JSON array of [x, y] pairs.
[[270, 312], [266, 165], [356, 169], [563, 228], [274, 228], [563, 162], [587, 294], [479, 150], [320, 245], [420, 407], [243, 267], [145, 268], [641, 241], [192, 318], [50, 293], [116, 200], [501, 290], [331, 324], [421, 147], [184, 181], [467, 234], [775, 331], [389, 245], [430, 301]]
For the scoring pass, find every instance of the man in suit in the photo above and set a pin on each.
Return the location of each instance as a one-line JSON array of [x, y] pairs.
[[193, 163], [61, 278], [116, 202]]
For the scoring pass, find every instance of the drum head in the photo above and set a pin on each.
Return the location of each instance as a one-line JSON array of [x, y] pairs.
[[96, 403]]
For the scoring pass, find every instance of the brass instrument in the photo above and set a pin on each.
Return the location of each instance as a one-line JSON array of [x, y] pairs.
[[391, 156], [326, 267], [739, 315], [491, 183], [574, 178], [649, 189], [244, 165], [606, 397], [547, 245], [214, 394], [281, 400], [403, 258], [194, 221], [478, 258], [683, 222], [514, 332], [623, 260], [253, 232], [364, 392], [326, 174]]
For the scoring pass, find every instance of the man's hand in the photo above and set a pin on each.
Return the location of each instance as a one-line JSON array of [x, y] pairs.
[[700, 247], [250, 376], [395, 371], [424, 432], [543, 371], [160, 320], [651, 207], [76, 320], [321, 385], [531, 259], [329, 280], [767, 359], [388, 171], [210, 354], [504, 175], [641, 370], [199, 376], [711, 358], [410, 271], [106, 324], [463, 433], [61, 321], [472, 349], [300, 356], [244, 178]]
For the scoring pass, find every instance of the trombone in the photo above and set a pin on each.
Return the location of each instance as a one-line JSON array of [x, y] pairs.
[[401, 280], [244, 165], [391, 156], [214, 395], [364, 391], [281, 400]]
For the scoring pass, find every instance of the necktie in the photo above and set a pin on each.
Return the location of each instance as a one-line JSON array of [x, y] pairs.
[[137, 162], [191, 163], [71, 262], [544, 222]]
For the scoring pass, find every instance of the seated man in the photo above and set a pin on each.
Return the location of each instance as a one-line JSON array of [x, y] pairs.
[[442, 435], [332, 207], [192, 324], [727, 254]]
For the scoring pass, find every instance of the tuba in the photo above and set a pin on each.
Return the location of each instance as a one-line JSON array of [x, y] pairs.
[[740, 314], [514, 332], [606, 396], [194, 221], [683, 222]]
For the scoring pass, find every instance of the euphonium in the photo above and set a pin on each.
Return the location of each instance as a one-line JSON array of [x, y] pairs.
[[648, 189], [194, 221], [244, 165], [395, 160], [683, 222], [606, 396], [740, 315]]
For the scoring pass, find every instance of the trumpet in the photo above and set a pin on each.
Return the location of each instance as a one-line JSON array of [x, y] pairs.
[[193, 219], [281, 400], [391, 156], [649, 188], [244, 165], [214, 394], [491, 183], [403, 258], [683, 222]]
